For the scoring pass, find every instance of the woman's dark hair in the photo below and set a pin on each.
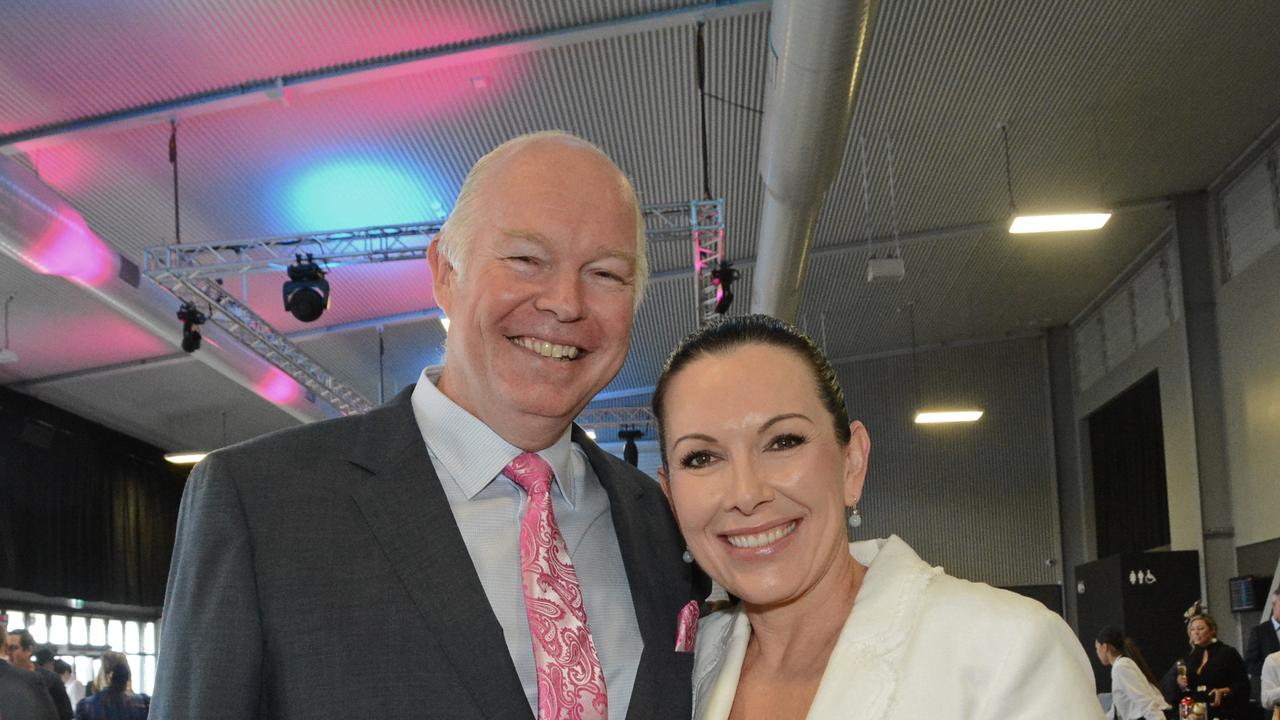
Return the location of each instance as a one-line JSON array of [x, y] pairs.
[[120, 678], [1126, 647], [732, 333]]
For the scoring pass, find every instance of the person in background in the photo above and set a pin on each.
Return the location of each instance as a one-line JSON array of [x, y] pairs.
[[1264, 639], [22, 695], [761, 465], [1133, 691], [21, 651], [1271, 681], [116, 701], [1212, 672], [75, 688]]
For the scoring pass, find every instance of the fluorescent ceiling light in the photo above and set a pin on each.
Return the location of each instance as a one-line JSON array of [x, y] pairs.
[[444, 323], [184, 458], [1058, 223], [946, 416]]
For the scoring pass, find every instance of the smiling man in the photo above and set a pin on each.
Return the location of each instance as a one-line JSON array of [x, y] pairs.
[[468, 528]]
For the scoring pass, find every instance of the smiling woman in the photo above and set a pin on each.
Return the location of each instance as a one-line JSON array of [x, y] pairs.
[[761, 466]]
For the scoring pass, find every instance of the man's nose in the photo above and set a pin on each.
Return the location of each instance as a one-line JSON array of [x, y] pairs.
[[562, 296]]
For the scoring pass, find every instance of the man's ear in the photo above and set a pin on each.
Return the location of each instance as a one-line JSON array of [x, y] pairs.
[[444, 277]]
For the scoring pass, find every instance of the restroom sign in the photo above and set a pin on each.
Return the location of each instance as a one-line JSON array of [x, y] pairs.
[[1142, 577]]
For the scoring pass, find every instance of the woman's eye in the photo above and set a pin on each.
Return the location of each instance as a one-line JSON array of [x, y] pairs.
[[786, 442], [696, 459]]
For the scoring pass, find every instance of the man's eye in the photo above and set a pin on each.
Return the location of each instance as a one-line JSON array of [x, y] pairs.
[[786, 442], [696, 459]]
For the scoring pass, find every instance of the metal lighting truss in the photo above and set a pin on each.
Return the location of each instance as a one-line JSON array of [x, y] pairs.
[[616, 417], [706, 226], [193, 272]]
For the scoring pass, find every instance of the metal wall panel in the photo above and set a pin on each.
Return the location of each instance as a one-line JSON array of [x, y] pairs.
[[977, 498]]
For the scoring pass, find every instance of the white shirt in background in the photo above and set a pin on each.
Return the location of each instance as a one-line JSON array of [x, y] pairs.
[[1132, 695]]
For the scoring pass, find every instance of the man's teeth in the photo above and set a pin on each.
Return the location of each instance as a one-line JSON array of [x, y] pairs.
[[547, 349], [762, 539]]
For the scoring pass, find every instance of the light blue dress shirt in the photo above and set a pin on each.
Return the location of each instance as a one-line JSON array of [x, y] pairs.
[[469, 458]]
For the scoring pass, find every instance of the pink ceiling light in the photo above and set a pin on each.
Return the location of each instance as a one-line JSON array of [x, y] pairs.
[[278, 387], [68, 248]]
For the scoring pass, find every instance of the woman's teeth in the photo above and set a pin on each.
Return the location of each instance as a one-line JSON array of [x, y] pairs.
[[547, 349], [761, 539]]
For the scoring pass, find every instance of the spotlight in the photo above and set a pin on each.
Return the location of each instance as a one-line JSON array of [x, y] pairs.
[[192, 319], [630, 452], [723, 276], [306, 295]]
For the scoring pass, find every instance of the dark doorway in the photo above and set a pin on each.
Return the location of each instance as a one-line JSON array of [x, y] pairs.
[[1130, 496]]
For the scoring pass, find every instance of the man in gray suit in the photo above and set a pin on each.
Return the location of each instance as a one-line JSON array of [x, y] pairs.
[[403, 526]]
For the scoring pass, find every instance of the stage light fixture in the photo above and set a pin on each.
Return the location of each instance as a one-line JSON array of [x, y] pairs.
[[630, 452], [192, 319], [306, 294], [722, 276]]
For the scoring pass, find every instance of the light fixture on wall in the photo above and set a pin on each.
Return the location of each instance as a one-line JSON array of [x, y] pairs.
[[1061, 222], [932, 416], [184, 458]]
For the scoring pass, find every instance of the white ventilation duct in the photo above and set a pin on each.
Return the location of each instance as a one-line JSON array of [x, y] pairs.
[[44, 232], [817, 49]]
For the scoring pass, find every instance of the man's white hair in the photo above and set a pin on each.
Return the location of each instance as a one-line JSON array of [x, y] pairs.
[[454, 238]]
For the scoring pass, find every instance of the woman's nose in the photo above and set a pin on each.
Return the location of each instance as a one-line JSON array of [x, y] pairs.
[[748, 488]]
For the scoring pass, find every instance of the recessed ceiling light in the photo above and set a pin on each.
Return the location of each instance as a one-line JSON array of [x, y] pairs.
[[930, 417], [184, 458], [1058, 223]]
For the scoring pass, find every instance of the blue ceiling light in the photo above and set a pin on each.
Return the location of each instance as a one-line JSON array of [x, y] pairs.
[[351, 194]]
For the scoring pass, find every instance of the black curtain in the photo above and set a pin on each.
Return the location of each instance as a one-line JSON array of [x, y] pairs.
[[1131, 497], [85, 512]]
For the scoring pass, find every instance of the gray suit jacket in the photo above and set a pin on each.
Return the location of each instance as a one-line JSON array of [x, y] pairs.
[[318, 573]]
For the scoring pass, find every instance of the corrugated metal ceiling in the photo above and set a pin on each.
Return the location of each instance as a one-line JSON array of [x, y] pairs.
[[1105, 102]]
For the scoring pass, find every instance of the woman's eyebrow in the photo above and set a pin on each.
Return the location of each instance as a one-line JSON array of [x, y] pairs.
[[785, 416], [692, 436]]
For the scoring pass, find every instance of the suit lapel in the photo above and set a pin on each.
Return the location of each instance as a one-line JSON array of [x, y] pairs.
[[409, 515], [660, 585]]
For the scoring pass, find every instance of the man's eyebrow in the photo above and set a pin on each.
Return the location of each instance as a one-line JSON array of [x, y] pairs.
[[530, 235]]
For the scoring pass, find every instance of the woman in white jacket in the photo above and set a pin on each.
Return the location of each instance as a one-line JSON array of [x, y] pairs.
[[1134, 695], [762, 467]]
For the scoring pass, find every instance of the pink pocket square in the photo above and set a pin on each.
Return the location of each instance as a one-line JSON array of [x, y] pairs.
[[687, 627]]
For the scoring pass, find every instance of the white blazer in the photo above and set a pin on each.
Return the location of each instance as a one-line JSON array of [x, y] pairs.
[[921, 644]]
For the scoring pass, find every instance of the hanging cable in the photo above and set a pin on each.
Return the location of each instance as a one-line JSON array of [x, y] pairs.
[[866, 194], [1008, 174], [702, 103], [173, 160], [893, 199]]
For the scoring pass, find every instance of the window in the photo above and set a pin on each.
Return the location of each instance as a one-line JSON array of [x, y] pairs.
[[80, 640]]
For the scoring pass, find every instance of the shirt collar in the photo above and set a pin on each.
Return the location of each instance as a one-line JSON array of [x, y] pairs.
[[471, 452], [1275, 624]]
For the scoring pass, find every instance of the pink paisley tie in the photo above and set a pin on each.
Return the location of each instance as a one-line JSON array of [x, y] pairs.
[[570, 681]]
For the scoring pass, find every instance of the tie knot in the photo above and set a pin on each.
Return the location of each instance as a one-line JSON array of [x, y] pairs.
[[530, 472]]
